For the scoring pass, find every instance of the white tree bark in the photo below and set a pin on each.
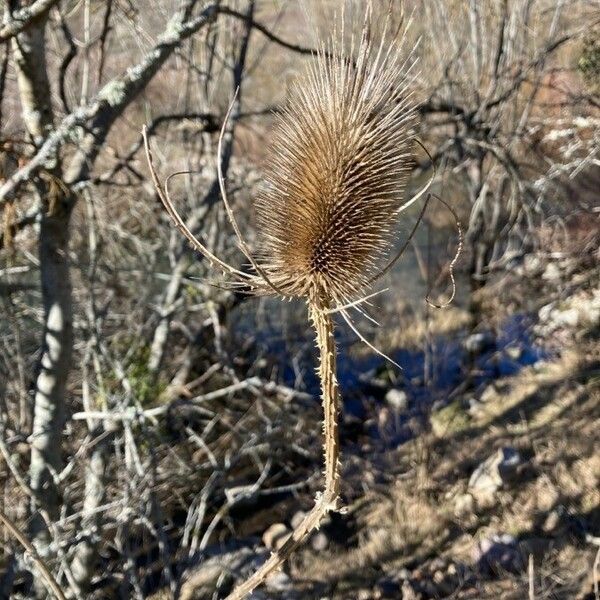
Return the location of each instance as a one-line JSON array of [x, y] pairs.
[[29, 58]]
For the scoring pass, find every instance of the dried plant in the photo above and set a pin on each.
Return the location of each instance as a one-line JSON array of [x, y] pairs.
[[328, 211]]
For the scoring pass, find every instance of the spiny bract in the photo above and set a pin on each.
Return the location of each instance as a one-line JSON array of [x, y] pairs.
[[335, 180]]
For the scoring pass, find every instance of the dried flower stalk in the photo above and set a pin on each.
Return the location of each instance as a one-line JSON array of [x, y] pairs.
[[334, 187]]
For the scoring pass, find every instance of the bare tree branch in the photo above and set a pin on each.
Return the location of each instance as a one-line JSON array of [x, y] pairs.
[[100, 114], [225, 10], [21, 19]]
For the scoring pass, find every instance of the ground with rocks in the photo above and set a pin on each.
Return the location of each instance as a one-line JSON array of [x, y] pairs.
[[497, 494]]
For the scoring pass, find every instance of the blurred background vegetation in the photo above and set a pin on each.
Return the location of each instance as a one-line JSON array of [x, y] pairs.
[[159, 435]]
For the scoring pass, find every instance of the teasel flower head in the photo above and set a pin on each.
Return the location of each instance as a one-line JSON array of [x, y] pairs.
[[328, 212], [335, 180]]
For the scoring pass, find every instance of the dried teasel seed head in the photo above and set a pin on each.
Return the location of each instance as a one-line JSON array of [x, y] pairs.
[[340, 159]]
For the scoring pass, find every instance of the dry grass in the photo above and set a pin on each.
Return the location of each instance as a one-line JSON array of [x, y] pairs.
[[551, 416], [412, 331]]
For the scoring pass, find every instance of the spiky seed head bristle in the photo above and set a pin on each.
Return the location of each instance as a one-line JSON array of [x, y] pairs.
[[340, 158]]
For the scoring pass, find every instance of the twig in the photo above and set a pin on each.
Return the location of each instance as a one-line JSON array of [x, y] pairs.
[[133, 413], [12, 529], [225, 10], [531, 578], [453, 262], [252, 383], [596, 575]]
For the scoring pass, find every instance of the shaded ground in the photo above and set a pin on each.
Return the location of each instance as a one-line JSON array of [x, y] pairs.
[[423, 533], [419, 523]]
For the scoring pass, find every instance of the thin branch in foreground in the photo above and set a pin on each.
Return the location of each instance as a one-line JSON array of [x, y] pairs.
[[14, 531], [225, 10], [531, 578]]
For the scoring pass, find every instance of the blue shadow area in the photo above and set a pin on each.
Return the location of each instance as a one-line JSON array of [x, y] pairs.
[[451, 364]]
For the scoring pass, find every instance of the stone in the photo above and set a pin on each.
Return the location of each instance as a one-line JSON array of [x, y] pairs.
[[541, 366], [552, 521], [557, 523], [408, 592], [464, 505], [489, 394], [551, 272], [588, 308], [278, 582], [275, 535], [532, 264], [397, 399], [478, 342], [498, 553], [514, 352], [438, 577], [545, 313], [319, 541], [566, 318], [591, 314], [297, 519], [499, 469]]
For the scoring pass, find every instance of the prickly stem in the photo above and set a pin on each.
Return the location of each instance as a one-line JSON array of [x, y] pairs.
[[327, 501]]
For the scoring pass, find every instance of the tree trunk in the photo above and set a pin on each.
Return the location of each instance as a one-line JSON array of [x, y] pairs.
[[29, 58], [51, 383]]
